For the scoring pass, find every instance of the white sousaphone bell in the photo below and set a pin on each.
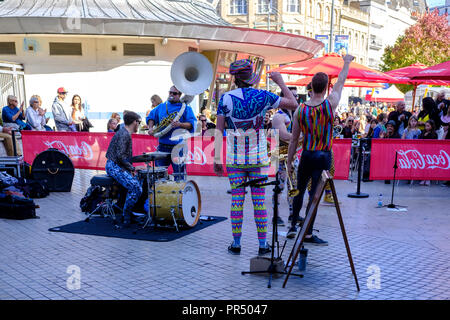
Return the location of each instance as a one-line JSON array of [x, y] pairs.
[[191, 73]]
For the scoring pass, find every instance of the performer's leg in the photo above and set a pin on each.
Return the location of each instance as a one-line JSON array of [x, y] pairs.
[[178, 165], [328, 196], [321, 161], [236, 177], [259, 207], [294, 181], [303, 176], [163, 162], [130, 183]]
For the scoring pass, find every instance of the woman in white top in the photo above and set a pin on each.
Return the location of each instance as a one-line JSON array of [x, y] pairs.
[[35, 116], [445, 122], [77, 112]]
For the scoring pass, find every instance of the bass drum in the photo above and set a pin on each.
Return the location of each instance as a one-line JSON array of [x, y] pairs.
[[183, 198]]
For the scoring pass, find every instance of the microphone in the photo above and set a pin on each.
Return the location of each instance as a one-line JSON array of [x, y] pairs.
[[252, 182]]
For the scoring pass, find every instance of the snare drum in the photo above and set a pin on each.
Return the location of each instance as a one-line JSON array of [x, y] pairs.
[[160, 174], [183, 198]]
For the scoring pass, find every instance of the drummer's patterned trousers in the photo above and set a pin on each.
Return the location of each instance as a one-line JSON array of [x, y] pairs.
[[238, 176], [132, 184]]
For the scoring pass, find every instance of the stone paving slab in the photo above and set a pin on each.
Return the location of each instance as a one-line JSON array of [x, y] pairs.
[[410, 250]]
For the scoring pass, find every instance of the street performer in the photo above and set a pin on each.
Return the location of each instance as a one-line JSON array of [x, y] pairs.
[[244, 109], [314, 119], [282, 121], [167, 143], [118, 165]]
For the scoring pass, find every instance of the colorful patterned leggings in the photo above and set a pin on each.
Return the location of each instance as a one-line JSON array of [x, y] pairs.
[[132, 184], [238, 176]]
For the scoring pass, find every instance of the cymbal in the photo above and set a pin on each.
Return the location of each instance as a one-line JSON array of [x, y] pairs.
[[151, 156]]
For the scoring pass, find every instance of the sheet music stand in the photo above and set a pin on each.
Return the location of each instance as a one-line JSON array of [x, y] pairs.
[[310, 215]]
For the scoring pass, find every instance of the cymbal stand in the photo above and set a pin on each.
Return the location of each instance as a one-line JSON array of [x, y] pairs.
[[150, 181]]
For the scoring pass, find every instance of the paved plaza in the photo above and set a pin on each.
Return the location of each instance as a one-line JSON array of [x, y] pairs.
[[397, 255]]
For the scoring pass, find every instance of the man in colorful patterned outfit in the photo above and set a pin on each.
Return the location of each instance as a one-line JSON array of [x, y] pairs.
[[244, 109], [314, 119]]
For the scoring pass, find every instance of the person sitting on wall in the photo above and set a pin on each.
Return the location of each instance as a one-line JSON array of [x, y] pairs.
[[36, 116], [13, 116], [5, 134]]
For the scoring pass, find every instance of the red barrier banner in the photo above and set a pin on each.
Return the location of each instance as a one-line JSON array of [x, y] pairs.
[[416, 159], [87, 150]]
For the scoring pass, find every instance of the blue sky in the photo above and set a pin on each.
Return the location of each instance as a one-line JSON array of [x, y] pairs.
[[435, 3]]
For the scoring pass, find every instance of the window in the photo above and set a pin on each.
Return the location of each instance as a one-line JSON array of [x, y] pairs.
[[310, 8], [264, 5], [138, 49], [327, 14], [7, 48], [350, 41], [65, 49], [293, 6], [319, 11], [238, 7]]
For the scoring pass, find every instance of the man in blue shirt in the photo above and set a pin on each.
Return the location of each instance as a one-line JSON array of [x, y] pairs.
[[12, 116], [187, 122]]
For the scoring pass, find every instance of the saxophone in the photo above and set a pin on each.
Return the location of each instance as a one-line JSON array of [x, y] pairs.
[[165, 122]]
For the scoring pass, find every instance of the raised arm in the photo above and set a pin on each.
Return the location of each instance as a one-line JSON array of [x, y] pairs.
[[335, 95], [278, 124]]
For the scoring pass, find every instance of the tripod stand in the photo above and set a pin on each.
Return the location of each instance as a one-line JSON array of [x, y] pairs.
[[272, 269]]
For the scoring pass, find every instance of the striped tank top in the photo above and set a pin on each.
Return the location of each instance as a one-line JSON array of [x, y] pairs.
[[316, 123]]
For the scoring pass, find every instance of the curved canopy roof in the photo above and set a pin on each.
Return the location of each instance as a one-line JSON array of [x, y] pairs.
[[176, 19]]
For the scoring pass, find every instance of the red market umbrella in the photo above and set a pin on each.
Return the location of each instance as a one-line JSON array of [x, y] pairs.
[[349, 83], [332, 64], [407, 75], [440, 71]]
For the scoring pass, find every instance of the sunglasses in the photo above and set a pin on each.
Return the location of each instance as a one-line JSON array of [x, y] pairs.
[[174, 93], [203, 120]]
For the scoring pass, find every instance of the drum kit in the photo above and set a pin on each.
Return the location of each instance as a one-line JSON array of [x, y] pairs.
[[176, 203], [170, 203]]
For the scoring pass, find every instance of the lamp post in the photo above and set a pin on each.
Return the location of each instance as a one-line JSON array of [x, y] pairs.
[[269, 7], [330, 49]]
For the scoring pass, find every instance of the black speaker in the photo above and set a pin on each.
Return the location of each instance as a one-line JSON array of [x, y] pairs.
[[56, 168]]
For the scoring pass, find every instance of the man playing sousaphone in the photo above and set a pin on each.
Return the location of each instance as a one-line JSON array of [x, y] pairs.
[[165, 114]]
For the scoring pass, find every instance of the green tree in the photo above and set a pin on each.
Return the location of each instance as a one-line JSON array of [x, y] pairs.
[[427, 42]]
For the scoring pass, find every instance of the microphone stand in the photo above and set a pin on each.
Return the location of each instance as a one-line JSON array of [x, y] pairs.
[[359, 194], [272, 269], [392, 205]]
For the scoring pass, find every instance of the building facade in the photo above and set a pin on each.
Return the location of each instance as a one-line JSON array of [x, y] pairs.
[[370, 25], [443, 9], [311, 18], [388, 19]]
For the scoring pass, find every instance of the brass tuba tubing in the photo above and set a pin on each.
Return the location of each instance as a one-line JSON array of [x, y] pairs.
[[292, 192]]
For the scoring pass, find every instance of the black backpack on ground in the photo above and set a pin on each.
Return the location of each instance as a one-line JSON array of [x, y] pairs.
[[17, 208], [91, 199], [33, 188]]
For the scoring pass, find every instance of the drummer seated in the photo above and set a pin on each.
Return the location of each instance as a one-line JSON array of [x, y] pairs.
[[118, 164]]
